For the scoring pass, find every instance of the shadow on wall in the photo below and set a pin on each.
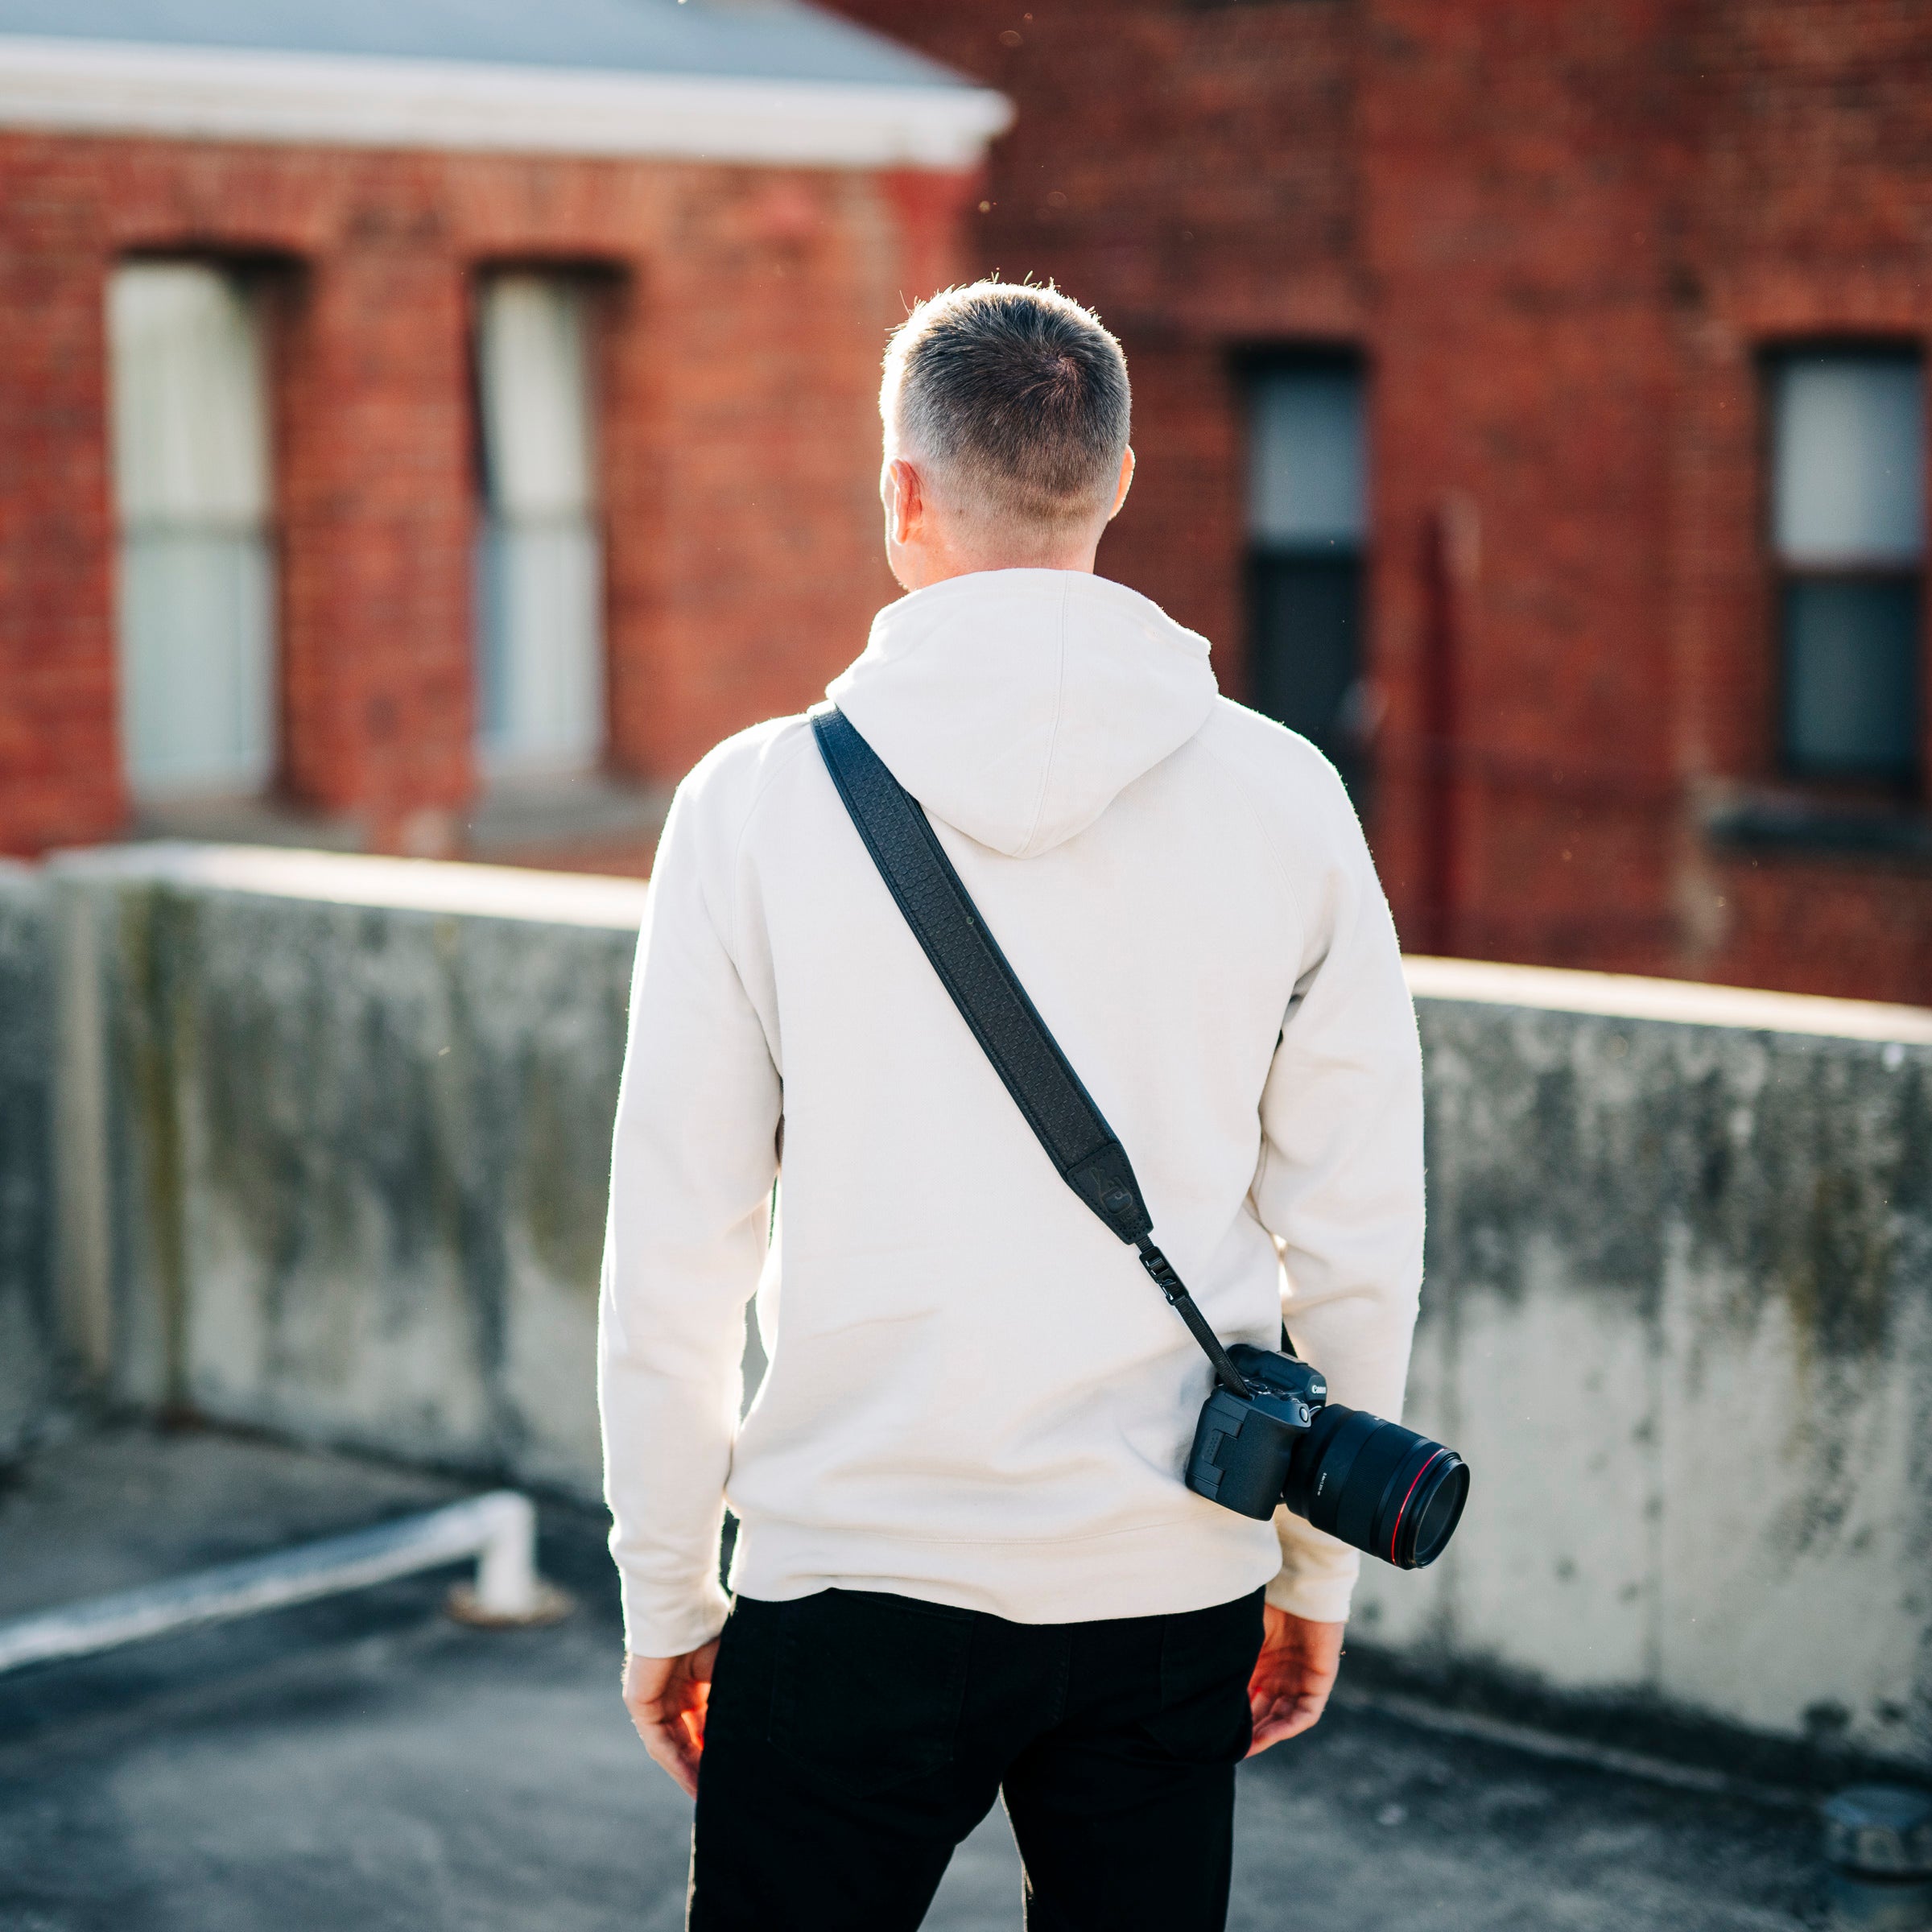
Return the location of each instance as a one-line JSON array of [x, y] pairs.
[[333, 1138]]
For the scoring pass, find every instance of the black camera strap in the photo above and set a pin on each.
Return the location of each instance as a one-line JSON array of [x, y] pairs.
[[994, 1004]]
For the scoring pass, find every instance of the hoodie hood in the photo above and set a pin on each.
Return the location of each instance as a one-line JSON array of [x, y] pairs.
[[1017, 704]]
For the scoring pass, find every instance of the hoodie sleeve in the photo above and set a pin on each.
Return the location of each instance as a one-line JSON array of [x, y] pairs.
[[691, 1171], [1340, 1181]]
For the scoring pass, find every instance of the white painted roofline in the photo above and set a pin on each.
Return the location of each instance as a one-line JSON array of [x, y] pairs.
[[105, 86]]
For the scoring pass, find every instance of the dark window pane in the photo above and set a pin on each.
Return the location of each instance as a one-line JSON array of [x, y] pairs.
[[1852, 678], [1306, 618]]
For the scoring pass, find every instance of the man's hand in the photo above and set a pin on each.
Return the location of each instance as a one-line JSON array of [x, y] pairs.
[[1293, 1676], [667, 1697]]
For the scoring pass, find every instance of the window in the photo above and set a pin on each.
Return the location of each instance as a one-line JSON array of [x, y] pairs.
[[540, 645], [192, 499], [1848, 532], [1307, 520]]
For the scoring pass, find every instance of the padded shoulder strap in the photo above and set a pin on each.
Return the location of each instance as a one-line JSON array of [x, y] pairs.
[[993, 1003]]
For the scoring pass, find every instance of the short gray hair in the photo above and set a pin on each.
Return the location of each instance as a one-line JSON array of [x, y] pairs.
[[1018, 395]]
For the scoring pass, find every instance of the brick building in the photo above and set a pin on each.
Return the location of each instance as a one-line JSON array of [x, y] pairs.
[[1529, 404], [428, 429], [1529, 400]]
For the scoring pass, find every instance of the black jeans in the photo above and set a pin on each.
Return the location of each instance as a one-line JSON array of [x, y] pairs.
[[854, 1738]]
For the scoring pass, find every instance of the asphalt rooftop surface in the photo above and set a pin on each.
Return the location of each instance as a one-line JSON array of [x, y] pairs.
[[366, 1763]]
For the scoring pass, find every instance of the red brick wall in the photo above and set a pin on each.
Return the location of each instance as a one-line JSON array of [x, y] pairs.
[[1166, 164], [1809, 214], [59, 751], [741, 316], [1560, 238], [1513, 160]]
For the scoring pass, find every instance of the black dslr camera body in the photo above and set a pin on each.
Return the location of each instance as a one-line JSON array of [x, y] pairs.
[[1374, 1484]]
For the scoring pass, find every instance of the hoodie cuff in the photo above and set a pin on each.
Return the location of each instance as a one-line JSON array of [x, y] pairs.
[[1318, 1575], [1319, 1602], [652, 1628]]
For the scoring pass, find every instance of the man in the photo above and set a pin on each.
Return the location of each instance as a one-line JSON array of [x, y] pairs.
[[966, 1562]]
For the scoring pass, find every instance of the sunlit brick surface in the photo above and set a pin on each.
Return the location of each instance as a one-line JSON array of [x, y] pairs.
[[741, 312], [1561, 237]]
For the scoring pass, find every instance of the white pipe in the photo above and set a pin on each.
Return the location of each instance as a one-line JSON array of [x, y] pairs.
[[499, 1529], [506, 1565]]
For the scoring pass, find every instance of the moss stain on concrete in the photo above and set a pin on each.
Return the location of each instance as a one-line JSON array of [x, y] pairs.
[[1794, 1180], [154, 927]]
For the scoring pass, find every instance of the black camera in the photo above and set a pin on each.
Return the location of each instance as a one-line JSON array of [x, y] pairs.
[[1372, 1483]]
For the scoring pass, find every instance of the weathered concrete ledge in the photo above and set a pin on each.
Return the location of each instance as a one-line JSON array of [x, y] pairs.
[[1678, 1317], [334, 1142], [332, 1149]]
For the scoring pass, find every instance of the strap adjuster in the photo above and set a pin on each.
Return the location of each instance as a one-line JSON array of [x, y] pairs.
[[1162, 1269]]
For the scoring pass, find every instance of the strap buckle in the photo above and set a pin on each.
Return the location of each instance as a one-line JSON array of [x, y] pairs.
[[1182, 1302], [1162, 1269]]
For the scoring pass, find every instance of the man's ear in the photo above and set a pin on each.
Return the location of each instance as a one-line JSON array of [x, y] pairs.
[[906, 501], [1126, 484]]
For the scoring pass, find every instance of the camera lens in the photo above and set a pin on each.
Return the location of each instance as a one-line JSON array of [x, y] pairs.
[[1377, 1486]]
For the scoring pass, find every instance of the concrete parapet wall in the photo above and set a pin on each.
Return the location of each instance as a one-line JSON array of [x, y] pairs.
[[28, 1359], [342, 1174], [1678, 1317], [333, 1143]]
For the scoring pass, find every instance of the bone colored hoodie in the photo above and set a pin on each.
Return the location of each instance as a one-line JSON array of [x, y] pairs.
[[975, 1396]]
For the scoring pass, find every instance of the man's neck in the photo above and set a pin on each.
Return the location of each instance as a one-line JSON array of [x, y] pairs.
[[922, 573]]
